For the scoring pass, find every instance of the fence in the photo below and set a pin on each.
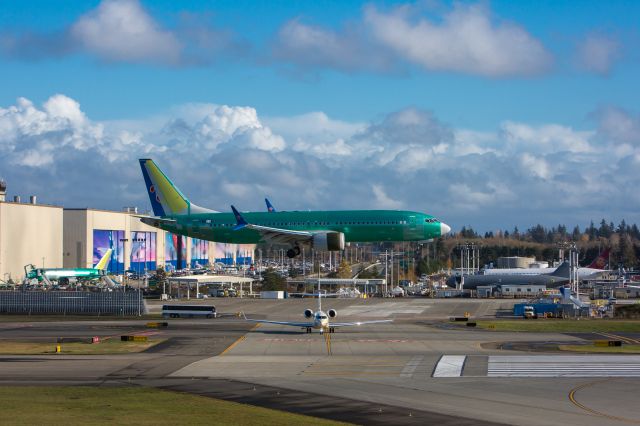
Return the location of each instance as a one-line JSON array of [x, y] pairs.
[[72, 303]]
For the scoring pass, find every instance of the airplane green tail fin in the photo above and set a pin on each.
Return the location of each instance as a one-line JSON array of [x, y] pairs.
[[104, 261], [166, 199]]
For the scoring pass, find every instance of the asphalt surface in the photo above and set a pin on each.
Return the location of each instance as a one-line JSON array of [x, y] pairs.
[[367, 375]]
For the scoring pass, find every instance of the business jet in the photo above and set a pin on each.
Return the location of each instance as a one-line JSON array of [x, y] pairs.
[[319, 320]]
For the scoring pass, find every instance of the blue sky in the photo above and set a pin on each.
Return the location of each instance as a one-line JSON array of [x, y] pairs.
[[524, 96]]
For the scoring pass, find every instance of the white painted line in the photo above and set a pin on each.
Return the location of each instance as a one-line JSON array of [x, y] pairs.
[[411, 365], [449, 366]]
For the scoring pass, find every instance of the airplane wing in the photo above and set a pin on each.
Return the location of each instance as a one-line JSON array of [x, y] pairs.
[[292, 324], [155, 221], [273, 235], [349, 324]]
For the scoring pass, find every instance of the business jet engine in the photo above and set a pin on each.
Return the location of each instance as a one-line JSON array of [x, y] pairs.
[[332, 313], [308, 313], [328, 241]]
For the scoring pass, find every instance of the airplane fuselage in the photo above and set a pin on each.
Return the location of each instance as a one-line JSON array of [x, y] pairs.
[[356, 225]]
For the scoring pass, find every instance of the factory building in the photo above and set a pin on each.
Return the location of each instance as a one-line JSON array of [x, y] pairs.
[[55, 237], [89, 233], [30, 233]]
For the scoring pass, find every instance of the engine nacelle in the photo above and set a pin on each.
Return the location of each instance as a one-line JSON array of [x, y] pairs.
[[308, 313], [328, 241], [332, 313]]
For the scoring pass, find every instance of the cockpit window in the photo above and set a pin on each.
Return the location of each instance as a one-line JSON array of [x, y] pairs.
[[431, 220], [322, 316]]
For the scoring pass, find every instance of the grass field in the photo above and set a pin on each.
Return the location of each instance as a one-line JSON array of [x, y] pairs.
[[625, 349], [106, 347], [70, 406], [563, 326]]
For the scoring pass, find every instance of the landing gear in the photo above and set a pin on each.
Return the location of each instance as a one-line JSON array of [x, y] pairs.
[[332, 329], [293, 252], [308, 329]]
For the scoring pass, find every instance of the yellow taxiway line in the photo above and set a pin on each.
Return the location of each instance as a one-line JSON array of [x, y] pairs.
[[572, 398]]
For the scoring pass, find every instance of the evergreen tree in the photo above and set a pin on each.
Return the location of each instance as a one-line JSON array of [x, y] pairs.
[[273, 281]]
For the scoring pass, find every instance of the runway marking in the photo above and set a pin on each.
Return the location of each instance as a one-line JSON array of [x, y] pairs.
[[574, 401], [449, 366], [617, 337], [411, 366], [238, 340], [564, 366]]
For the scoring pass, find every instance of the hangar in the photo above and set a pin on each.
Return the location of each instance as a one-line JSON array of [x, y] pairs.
[[56, 237]]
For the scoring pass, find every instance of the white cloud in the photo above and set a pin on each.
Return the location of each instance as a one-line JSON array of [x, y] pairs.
[[545, 138], [465, 40], [598, 53], [535, 165], [121, 30], [618, 126], [382, 200], [313, 46], [124, 31], [219, 154]]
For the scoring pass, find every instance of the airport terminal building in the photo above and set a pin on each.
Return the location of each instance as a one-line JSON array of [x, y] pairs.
[[56, 237]]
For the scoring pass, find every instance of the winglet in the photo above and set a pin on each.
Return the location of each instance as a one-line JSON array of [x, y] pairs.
[[241, 222], [270, 207]]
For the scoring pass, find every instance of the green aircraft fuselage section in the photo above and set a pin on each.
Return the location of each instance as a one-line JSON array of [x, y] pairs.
[[356, 225], [57, 273]]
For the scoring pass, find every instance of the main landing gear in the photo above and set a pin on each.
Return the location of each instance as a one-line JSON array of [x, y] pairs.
[[308, 329], [293, 252]]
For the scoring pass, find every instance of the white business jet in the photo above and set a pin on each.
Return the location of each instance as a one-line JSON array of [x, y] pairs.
[[319, 320]]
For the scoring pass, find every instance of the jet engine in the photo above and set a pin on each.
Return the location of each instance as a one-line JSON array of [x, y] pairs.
[[328, 241], [332, 313], [308, 313]]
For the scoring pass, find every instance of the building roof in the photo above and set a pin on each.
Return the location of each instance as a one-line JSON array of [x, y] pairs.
[[211, 279]]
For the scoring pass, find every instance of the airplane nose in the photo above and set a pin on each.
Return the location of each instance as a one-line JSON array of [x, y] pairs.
[[444, 228]]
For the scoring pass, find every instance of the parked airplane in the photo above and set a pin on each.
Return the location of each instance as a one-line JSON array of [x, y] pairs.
[[557, 278], [323, 230], [319, 320], [62, 275], [270, 207], [596, 268]]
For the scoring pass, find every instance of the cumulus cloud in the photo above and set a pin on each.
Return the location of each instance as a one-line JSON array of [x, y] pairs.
[[217, 154], [598, 53], [121, 30], [465, 39], [310, 46], [124, 31]]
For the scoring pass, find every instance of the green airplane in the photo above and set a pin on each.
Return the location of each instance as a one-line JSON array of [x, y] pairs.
[[322, 230], [62, 275]]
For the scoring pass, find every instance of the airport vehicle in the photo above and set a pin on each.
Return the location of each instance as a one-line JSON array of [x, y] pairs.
[[593, 271], [319, 320], [529, 313], [323, 230], [62, 275], [559, 277], [188, 311]]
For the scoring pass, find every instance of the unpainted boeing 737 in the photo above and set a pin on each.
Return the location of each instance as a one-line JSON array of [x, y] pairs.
[[322, 230], [62, 275]]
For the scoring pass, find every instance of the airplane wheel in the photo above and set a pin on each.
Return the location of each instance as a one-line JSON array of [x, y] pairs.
[[296, 249], [291, 253]]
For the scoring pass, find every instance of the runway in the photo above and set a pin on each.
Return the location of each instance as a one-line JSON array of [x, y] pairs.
[[411, 371]]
